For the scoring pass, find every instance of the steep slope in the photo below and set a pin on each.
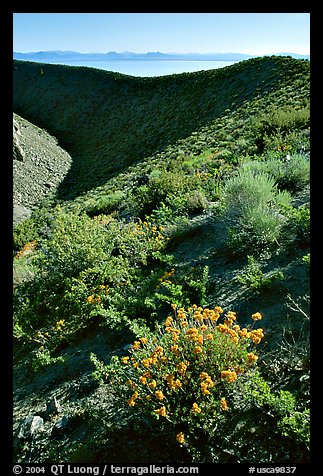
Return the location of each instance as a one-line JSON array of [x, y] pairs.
[[39, 165], [107, 121], [169, 229]]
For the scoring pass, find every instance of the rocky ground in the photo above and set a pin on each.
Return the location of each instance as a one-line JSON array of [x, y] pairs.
[[35, 174]]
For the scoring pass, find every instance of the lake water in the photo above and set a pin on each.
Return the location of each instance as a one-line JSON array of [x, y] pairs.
[[151, 68]]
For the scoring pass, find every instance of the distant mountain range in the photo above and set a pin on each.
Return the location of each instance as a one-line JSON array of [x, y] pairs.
[[61, 56]]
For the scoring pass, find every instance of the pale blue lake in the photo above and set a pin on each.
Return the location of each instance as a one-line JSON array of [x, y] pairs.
[[151, 68]]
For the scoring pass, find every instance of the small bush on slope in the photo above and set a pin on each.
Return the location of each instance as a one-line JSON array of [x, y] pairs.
[[291, 173], [251, 206]]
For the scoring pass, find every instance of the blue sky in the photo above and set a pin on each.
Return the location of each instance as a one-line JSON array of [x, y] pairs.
[[250, 33]]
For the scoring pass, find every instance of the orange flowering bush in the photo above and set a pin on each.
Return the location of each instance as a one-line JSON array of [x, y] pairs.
[[183, 373]]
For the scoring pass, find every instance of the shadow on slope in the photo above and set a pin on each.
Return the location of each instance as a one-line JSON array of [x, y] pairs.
[[35, 173], [108, 121]]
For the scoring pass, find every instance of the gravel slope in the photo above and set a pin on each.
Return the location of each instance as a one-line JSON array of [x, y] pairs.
[[39, 166]]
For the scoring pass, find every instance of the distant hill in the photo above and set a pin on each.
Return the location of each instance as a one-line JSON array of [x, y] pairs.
[[62, 56]]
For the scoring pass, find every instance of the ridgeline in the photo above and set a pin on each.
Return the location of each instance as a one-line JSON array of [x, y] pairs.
[[107, 121]]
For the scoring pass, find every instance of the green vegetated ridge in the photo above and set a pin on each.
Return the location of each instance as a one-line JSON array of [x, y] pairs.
[[108, 121], [161, 291]]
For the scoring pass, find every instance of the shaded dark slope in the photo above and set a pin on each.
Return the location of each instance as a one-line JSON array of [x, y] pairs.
[[107, 121], [38, 167]]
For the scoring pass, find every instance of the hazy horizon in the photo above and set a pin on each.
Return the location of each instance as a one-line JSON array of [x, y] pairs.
[[256, 34], [173, 53]]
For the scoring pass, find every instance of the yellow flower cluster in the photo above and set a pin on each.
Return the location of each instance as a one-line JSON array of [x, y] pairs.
[[159, 394], [206, 383], [148, 231], [161, 411], [104, 287], [192, 334], [230, 318], [229, 375], [252, 357], [96, 296], [26, 249], [202, 175], [180, 437], [59, 325], [256, 316], [152, 384], [147, 362], [182, 367], [165, 278], [256, 335], [174, 384], [136, 345], [200, 314], [170, 329], [223, 404], [197, 350], [175, 349], [41, 337], [196, 409], [168, 323], [243, 333], [132, 399], [283, 147], [225, 329]]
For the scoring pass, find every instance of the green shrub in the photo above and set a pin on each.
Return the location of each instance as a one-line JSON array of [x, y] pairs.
[[228, 156], [182, 193], [299, 222], [254, 278], [181, 288], [296, 425], [89, 271], [38, 226], [197, 282], [193, 163], [105, 204], [76, 243], [162, 184], [246, 190], [212, 186], [251, 205], [291, 421], [163, 214], [277, 121], [289, 174], [136, 241], [261, 226], [43, 358], [196, 201], [289, 143], [23, 233], [23, 269], [307, 259]]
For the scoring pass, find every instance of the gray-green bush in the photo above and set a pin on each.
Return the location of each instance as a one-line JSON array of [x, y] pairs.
[[291, 173], [251, 209]]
